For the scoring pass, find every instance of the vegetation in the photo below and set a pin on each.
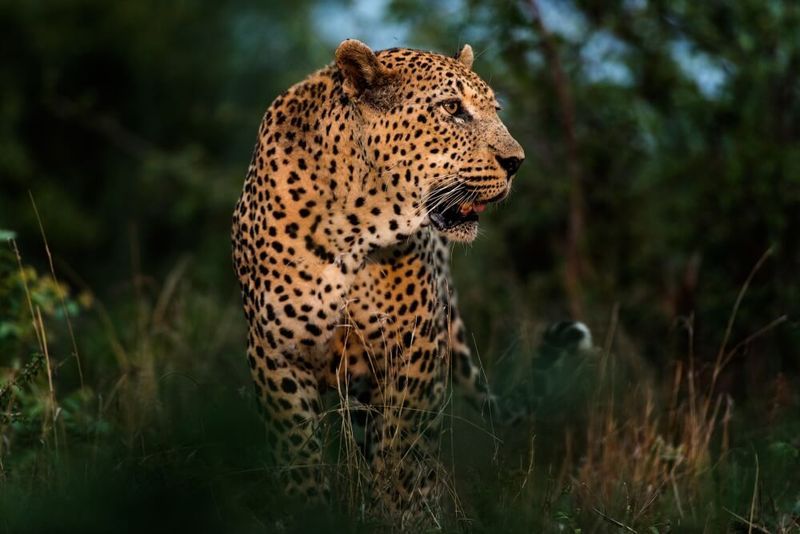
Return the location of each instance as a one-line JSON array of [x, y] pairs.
[[659, 203]]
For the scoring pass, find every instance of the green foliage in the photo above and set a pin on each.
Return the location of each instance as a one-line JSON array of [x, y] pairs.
[[131, 125], [29, 416], [141, 127], [22, 289], [686, 126]]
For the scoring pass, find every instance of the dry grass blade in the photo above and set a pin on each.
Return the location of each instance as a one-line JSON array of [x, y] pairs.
[[531, 458], [27, 290], [158, 315], [755, 335], [751, 527], [52, 405], [41, 338], [753, 500], [609, 343], [719, 363], [58, 290], [614, 521]]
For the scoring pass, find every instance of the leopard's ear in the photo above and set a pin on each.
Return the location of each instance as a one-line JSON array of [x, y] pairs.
[[360, 67], [466, 56]]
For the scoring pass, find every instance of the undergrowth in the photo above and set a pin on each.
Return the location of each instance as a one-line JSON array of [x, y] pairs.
[[141, 415]]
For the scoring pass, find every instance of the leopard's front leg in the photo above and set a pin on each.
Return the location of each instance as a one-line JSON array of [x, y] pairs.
[[407, 478], [293, 312], [289, 395]]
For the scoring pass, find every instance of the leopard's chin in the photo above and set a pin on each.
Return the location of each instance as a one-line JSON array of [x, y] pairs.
[[464, 232]]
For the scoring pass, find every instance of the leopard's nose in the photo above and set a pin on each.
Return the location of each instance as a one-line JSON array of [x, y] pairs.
[[510, 165]]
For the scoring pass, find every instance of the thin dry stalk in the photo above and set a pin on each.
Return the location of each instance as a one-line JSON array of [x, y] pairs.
[[41, 338], [677, 380], [752, 337], [354, 462], [720, 360], [52, 405], [117, 347], [691, 379], [564, 470], [613, 521], [38, 332], [27, 291], [58, 290], [529, 470], [753, 500], [165, 297], [750, 525], [608, 343]]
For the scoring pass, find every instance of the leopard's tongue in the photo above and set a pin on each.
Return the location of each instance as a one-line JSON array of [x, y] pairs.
[[470, 207]]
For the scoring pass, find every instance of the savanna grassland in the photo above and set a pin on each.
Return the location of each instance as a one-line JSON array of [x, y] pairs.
[[660, 203]]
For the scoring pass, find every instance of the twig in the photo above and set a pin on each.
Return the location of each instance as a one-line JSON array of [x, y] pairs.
[[757, 334], [753, 500], [731, 319], [750, 524], [107, 125], [576, 262], [614, 521]]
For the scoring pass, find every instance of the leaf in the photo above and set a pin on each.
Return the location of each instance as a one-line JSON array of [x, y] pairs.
[[7, 235], [8, 329]]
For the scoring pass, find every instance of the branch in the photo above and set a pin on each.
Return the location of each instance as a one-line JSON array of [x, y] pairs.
[[576, 263]]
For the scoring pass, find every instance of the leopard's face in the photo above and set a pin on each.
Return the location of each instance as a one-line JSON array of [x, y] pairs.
[[430, 120]]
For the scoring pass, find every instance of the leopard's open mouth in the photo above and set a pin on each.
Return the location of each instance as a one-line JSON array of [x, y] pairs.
[[452, 207], [456, 215]]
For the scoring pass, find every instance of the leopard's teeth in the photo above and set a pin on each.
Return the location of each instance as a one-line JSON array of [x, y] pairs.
[[466, 208]]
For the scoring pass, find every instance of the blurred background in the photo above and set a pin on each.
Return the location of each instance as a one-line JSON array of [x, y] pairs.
[[659, 202]]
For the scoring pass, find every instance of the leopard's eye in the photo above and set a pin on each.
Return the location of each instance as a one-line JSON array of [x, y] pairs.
[[453, 107]]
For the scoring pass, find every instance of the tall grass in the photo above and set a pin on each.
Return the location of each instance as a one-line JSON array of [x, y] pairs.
[[159, 427]]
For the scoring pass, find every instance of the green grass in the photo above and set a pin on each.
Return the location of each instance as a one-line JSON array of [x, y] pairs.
[[160, 430]]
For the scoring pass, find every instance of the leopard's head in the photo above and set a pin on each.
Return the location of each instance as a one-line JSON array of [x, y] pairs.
[[430, 127]]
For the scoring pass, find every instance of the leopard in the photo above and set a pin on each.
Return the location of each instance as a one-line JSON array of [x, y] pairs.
[[363, 176]]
